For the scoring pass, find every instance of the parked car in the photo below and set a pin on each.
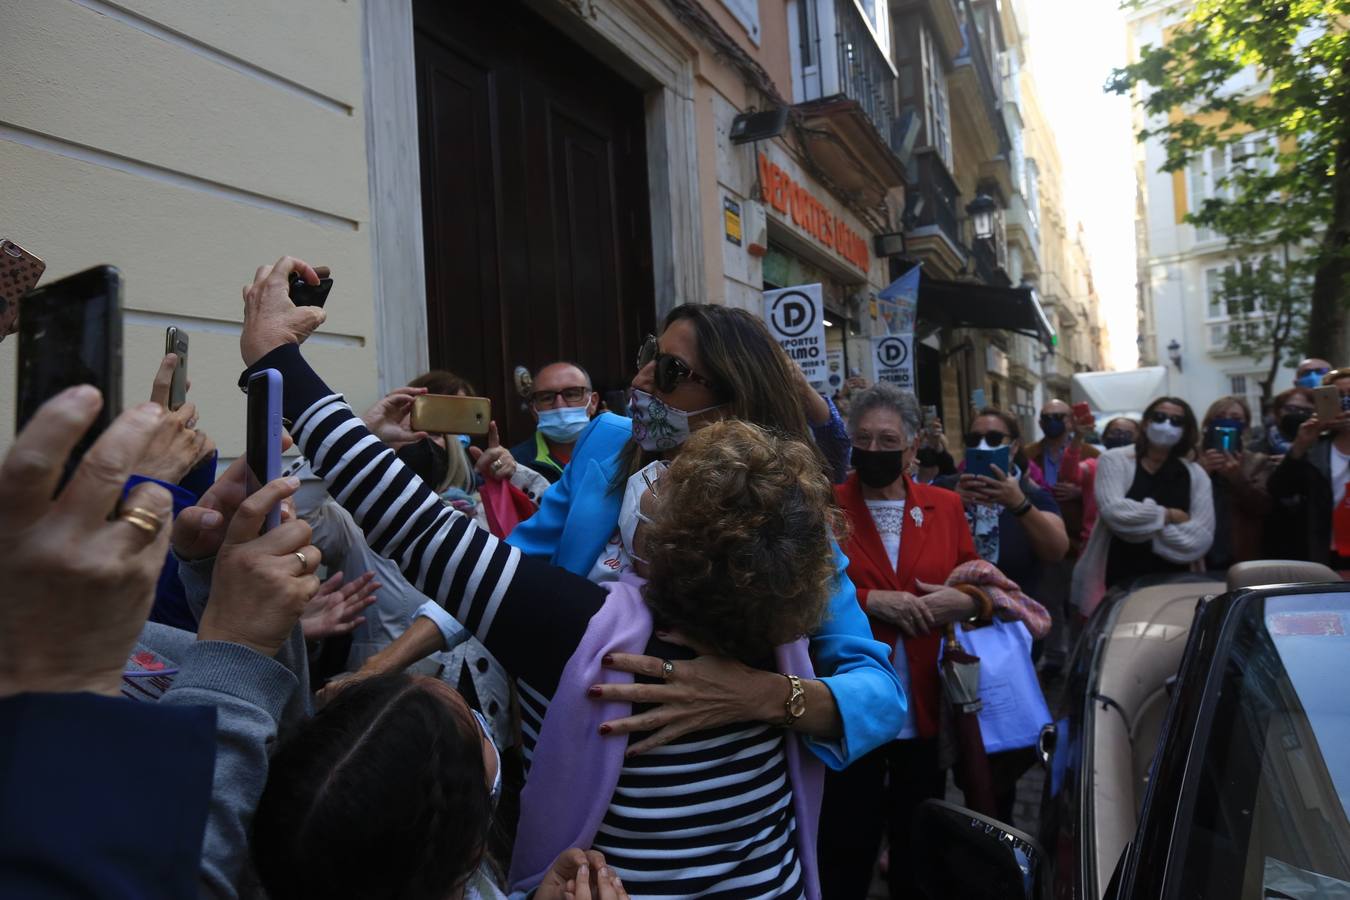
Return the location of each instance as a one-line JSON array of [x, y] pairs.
[[1202, 751]]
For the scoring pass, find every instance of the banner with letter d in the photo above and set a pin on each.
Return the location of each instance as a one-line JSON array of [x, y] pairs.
[[796, 319]]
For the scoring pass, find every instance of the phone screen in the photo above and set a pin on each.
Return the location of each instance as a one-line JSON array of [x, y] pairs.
[[70, 333]]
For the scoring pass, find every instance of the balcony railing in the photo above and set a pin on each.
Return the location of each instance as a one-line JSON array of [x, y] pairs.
[[940, 197], [864, 73]]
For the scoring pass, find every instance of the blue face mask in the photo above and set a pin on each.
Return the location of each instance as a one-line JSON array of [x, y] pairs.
[[1053, 426], [464, 439], [564, 424], [1311, 378]]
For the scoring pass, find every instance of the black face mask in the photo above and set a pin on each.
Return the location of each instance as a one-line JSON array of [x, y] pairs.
[[929, 457], [1113, 439], [1290, 421], [428, 459], [878, 468]]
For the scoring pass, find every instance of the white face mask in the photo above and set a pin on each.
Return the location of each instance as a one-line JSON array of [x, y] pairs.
[[630, 512], [1164, 434]]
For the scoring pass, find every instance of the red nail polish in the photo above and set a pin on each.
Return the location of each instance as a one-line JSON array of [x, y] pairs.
[[593, 691], [607, 660], [604, 729]]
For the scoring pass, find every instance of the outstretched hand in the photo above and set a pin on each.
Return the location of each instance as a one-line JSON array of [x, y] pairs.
[[261, 582], [336, 609], [496, 462], [270, 318], [78, 583], [388, 419]]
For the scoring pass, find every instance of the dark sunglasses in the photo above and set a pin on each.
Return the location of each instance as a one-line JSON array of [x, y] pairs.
[[1061, 416], [995, 438], [670, 370], [571, 395], [1160, 417]]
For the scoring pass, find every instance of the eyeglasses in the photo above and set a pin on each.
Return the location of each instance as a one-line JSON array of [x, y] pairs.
[[1117, 435], [995, 438], [571, 396], [1160, 417], [1059, 415], [1319, 372], [670, 369]]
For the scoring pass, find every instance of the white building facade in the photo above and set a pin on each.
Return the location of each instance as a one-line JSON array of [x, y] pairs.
[[1183, 323]]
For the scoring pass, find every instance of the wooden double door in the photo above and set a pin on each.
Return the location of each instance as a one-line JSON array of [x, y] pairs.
[[534, 199]]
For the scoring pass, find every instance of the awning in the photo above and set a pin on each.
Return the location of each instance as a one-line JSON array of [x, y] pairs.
[[963, 304]]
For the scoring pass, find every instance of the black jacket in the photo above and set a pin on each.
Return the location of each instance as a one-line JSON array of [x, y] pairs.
[[1300, 524]]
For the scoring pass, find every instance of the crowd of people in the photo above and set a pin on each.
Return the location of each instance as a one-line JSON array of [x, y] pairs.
[[694, 650]]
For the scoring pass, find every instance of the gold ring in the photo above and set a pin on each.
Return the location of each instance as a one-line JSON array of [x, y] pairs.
[[304, 562], [667, 669], [496, 464], [143, 519]]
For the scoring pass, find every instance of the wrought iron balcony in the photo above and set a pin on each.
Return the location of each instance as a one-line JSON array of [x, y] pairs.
[[865, 75]]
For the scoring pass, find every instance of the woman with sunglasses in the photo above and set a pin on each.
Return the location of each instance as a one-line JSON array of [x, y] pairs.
[[1155, 506], [1015, 522]]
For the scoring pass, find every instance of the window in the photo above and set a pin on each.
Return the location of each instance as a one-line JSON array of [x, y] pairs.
[[1237, 385], [747, 13], [1268, 798], [1215, 308], [937, 108], [808, 30], [1210, 168]]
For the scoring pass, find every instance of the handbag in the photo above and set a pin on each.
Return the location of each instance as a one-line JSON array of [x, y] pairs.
[[1012, 707]]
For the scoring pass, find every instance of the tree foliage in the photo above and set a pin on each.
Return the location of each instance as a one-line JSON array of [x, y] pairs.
[[1293, 187]]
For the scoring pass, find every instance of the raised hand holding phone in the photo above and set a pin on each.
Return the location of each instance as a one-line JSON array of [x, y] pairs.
[[263, 448], [270, 317], [71, 334]]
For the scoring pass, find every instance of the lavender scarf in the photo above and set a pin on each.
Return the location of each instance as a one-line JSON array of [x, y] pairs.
[[575, 770]]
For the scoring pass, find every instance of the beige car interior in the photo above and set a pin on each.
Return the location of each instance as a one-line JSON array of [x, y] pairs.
[[1143, 651]]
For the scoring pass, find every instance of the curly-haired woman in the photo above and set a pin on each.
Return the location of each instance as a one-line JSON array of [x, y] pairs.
[[738, 547]]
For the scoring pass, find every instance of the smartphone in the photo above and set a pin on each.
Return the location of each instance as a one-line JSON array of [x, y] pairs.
[[982, 462], [1327, 402], [71, 334], [1082, 414], [447, 414], [176, 342], [305, 294], [19, 274], [1223, 438], [263, 443]]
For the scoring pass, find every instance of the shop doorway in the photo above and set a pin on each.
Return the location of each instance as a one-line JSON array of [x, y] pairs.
[[534, 200]]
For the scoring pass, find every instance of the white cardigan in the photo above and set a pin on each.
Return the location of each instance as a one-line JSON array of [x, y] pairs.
[[1137, 521]]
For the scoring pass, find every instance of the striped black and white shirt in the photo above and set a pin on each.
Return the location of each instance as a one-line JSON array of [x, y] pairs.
[[709, 815]]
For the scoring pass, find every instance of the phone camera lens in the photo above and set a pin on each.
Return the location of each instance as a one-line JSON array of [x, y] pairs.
[[12, 250]]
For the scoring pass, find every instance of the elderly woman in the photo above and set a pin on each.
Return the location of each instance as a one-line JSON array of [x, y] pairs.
[[905, 538], [738, 546], [1155, 506]]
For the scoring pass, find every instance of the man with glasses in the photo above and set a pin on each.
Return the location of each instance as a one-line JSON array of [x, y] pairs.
[[1310, 373], [1056, 459], [562, 403]]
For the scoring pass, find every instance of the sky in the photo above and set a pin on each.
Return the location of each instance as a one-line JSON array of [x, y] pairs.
[[1072, 47]]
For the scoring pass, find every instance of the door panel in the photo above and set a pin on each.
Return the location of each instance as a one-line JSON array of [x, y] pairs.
[[534, 182]]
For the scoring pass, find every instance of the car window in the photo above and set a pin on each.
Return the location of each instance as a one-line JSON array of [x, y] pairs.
[[1269, 816]]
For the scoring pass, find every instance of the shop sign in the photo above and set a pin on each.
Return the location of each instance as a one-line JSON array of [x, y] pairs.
[[893, 356], [796, 319], [834, 364], [810, 215], [731, 219]]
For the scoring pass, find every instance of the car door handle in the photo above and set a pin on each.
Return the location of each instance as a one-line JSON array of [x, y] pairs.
[[1045, 743]]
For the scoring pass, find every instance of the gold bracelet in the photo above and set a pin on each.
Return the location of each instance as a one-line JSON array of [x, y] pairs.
[[795, 707]]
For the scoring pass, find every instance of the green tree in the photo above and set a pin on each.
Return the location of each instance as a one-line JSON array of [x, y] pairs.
[[1266, 298], [1280, 153]]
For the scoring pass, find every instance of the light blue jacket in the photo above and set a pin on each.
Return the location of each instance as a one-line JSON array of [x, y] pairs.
[[579, 515]]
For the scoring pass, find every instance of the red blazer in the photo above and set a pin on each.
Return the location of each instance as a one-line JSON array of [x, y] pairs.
[[928, 552]]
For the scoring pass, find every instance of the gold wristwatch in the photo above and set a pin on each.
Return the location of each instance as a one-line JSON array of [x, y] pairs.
[[796, 701]]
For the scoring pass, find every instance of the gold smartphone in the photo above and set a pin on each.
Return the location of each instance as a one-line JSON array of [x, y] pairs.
[[1327, 401], [446, 414]]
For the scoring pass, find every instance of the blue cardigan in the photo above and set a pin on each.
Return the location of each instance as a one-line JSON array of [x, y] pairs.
[[579, 515]]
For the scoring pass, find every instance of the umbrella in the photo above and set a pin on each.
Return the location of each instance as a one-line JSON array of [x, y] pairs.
[[961, 684]]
